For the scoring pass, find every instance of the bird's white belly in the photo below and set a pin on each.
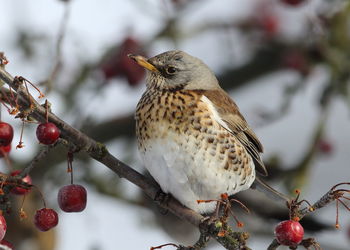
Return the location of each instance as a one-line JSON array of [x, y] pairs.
[[190, 173]]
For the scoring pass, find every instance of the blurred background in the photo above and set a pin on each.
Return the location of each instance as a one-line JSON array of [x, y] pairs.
[[284, 62]]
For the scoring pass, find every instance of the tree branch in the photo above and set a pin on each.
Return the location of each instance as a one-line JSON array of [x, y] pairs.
[[99, 152]]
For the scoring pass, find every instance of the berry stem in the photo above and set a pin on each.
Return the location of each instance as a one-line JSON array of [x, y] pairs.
[[6, 100], [24, 197], [343, 203], [3, 103], [337, 214], [238, 222], [15, 98], [46, 111], [241, 204], [41, 95], [70, 165], [41, 195], [7, 160], [71, 175], [25, 84], [20, 144]]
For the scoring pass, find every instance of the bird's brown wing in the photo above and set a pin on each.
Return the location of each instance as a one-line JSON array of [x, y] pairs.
[[229, 113]]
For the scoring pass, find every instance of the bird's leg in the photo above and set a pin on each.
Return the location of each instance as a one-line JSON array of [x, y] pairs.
[[215, 215], [217, 209], [226, 202], [225, 213], [222, 204], [162, 200]]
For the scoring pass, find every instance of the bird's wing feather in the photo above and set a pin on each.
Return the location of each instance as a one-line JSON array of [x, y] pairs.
[[230, 118]]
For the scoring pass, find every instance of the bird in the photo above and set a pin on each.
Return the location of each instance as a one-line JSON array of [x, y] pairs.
[[191, 136]]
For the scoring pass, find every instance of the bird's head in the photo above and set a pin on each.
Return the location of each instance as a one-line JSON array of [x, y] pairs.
[[176, 70]]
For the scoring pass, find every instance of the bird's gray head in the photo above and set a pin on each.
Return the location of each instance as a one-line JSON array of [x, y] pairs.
[[175, 70]]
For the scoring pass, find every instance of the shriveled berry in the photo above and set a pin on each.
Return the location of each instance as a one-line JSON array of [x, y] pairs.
[[9, 245], [45, 219], [6, 134], [289, 233], [47, 133], [293, 2], [3, 227], [5, 150], [21, 190], [72, 198]]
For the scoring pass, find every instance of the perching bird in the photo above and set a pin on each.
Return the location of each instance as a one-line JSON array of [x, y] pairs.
[[193, 140]]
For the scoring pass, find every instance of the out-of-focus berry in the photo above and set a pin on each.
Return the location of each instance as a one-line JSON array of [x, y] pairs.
[[5, 150], [293, 2], [117, 63], [325, 147], [270, 24], [295, 59], [3, 227], [6, 134], [7, 244]]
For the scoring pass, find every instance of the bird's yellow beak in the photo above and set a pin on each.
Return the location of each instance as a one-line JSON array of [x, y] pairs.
[[143, 62]]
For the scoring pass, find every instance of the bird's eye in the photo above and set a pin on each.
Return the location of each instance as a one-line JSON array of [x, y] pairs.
[[170, 70]]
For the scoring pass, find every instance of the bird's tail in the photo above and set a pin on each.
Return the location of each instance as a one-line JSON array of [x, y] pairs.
[[269, 191]]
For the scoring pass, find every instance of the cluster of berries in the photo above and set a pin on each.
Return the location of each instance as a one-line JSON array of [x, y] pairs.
[[71, 198]]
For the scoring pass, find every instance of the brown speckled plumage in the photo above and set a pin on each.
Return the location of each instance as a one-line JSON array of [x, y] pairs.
[[193, 140], [183, 113]]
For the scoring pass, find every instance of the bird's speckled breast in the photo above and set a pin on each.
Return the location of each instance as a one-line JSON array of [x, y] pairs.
[[158, 113], [210, 155]]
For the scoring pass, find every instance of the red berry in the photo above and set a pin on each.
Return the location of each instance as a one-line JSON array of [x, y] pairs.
[[270, 24], [3, 227], [20, 190], [6, 134], [45, 219], [293, 2], [72, 198], [325, 147], [289, 233], [118, 64], [4, 150], [295, 59], [47, 133], [7, 244]]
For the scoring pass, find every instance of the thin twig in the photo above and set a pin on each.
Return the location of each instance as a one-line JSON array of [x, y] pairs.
[[60, 39], [42, 153], [332, 195]]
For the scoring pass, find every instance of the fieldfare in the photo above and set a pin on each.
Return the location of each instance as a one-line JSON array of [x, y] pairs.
[[191, 136]]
